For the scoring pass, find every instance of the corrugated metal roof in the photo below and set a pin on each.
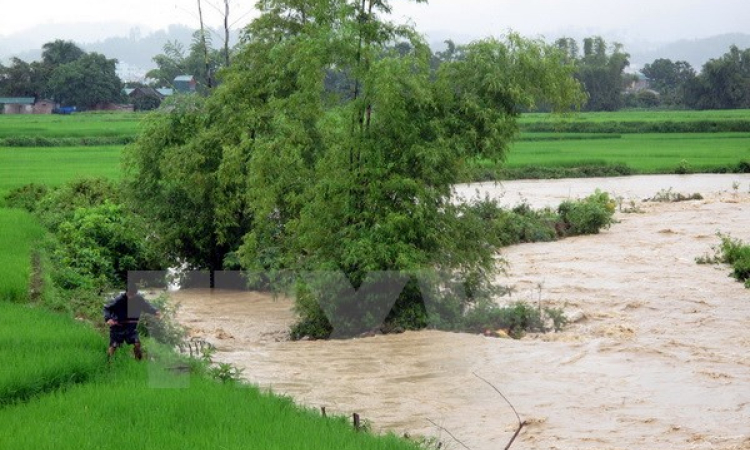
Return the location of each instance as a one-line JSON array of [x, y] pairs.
[[165, 91], [184, 78], [17, 100], [127, 91]]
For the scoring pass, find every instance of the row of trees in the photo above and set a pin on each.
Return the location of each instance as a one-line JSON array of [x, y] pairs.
[[723, 83], [600, 69], [66, 74]]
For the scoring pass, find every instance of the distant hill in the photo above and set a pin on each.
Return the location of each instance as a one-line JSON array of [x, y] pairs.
[[136, 46], [128, 43], [697, 51]]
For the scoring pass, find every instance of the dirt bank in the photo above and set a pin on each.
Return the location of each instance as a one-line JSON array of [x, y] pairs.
[[662, 359]]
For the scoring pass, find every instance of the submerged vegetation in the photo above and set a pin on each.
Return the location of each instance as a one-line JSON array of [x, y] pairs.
[[734, 252]]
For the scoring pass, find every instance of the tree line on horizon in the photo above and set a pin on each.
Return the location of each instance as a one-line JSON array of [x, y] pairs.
[[72, 77]]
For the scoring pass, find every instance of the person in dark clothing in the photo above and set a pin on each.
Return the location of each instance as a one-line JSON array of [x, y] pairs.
[[122, 315]]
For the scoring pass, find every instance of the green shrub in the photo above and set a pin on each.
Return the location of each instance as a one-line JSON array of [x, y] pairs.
[[683, 168], [589, 215], [737, 254], [733, 252], [517, 318], [667, 196], [61, 203], [313, 322], [102, 243], [26, 197]]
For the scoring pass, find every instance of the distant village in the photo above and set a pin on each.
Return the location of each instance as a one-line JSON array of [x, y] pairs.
[[138, 96]]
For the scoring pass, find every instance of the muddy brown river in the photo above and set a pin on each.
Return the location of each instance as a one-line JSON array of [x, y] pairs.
[[660, 359]]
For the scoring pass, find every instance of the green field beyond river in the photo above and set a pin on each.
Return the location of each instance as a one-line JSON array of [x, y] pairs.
[[55, 149]]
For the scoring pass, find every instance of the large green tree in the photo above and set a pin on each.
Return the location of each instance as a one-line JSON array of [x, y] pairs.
[[724, 83], [20, 79], [291, 173], [59, 52], [87, 81], [600, 68], [670, 79], [200, 60]]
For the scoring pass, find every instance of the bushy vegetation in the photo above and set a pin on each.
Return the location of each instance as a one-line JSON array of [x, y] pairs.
[[515, 320], [524, 224], [94, 241], [734, 252], [668, 196], [587, 216]]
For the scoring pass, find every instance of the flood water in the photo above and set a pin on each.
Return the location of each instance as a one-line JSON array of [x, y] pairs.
[[661, 360]]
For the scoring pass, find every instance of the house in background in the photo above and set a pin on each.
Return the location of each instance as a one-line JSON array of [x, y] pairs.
[[26, 105], [145, 98], [185, 84], [17, 105], [44, 106]]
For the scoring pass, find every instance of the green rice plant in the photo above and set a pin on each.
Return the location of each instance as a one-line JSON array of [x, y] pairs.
[[19, 232], [148, 408], [42, 351]]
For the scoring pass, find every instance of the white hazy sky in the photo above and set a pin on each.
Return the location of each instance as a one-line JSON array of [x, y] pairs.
[[646, 20]]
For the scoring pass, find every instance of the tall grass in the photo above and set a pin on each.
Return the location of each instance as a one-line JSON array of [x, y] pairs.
[[42, 350], [19, 231], [126, 410]]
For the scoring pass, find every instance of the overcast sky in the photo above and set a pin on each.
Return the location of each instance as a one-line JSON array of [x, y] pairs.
[[627, 20]]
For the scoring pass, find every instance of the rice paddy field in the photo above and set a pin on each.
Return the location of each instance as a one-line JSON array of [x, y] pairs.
[[43, 351], [130, 408], [53, 149], [644, 142], [644, 152], [67, 126]]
